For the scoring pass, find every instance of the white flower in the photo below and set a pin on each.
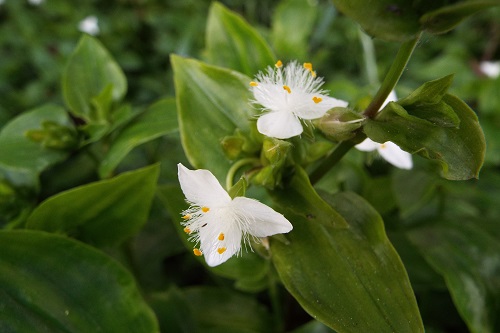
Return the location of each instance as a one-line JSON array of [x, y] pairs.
[[218, 223], [388, 150], [35, 2], [490, 68], [287, 95], [89, 25]]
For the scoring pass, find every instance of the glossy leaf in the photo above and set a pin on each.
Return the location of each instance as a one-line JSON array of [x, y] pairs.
[[50, 283], [469, 260], [460, 151], [173, 311], [351, 278], [211, 103], [159, 119], [235, 44], [92, 80], [20, 154], [104, 213]]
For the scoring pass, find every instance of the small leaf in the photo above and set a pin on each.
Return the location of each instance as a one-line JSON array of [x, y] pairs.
[[159, 119], [238, 189], [105, 212], [351, 279], [50, 283], [446, 18], [20, 154], [173, 311], [233, 43], [469, 260], [211, 103], [90, 79]]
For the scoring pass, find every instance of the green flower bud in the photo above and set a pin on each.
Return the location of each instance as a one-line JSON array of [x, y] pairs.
[[340, 124], [54, 136]]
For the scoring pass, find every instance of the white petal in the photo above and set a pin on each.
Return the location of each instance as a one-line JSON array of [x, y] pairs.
[[367, 145], [261, 220], [490, 68], [308, 109], [395, 155], [280, 125], [391, 98], [221, 224], [201, 187]]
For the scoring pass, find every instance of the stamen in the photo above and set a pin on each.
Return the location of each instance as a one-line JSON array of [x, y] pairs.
[[317, 99], [313, 73], [383, 146], [197, 252], [287, 88], [221, 236], [187, 230], [205, 209], [278, 64], [221, 250], [187, 217], [254, 84], [308, 66]]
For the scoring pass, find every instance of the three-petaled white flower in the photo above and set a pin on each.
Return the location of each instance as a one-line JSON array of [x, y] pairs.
[[218, 223], [388, 150], [287, 95]]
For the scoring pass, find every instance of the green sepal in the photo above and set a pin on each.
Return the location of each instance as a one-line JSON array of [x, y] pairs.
[[340, 124], [238, 189]]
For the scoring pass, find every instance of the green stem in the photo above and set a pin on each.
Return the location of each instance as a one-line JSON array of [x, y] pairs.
[[392, 77], [236, 166], [369, 58], [340, 150]]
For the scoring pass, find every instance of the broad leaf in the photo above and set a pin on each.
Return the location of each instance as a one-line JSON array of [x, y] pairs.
[[351, 278], [20, 154], [50, 283], [233, 43], [469, 260], [211, 103], [92, 80], [159, 119], [104, 213], [173, 311]]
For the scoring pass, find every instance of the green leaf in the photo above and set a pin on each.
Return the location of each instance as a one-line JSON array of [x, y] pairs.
[[50, 283], [351, 278], [158, 120], [233, 43], [446, 18], [92, 80], [20, 154], [291, 41], [469, 260], [104, 213], [173, 311], [211, 103], [238, 189], [460, 151]]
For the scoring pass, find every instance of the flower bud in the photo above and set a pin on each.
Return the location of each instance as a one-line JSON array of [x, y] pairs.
[[340, 124], [54, 135]]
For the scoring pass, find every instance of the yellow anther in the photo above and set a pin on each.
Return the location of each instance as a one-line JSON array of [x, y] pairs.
[[287, 88], [278, 64], [254, 84], [383, 146], [308, 66], [205, 209], [197, 252], [313, 73], [187, 230], [221, 236], [317, 99], [221, 250], [187, 217]]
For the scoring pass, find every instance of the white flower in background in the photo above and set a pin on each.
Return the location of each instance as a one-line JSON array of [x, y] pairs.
[[490, 68], [288, 94], [218, 223], [35, 2], [388, 150], [89, 25]]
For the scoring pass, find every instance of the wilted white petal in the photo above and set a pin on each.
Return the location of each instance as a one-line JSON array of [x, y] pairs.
[[262, 220], [490, 68], [391, 98], [89, 25], [395, 155], [367, 145], [280, 125], [201, 187]]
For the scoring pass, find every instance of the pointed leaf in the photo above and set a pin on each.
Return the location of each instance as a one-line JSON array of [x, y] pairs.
[[351, 279], [159, 119], [233, 43], [105, 212], [469, 260], [50, 283], [211, 103], [90, 79]]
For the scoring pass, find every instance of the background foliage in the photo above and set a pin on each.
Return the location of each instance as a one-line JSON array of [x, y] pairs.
[[89, 198]]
